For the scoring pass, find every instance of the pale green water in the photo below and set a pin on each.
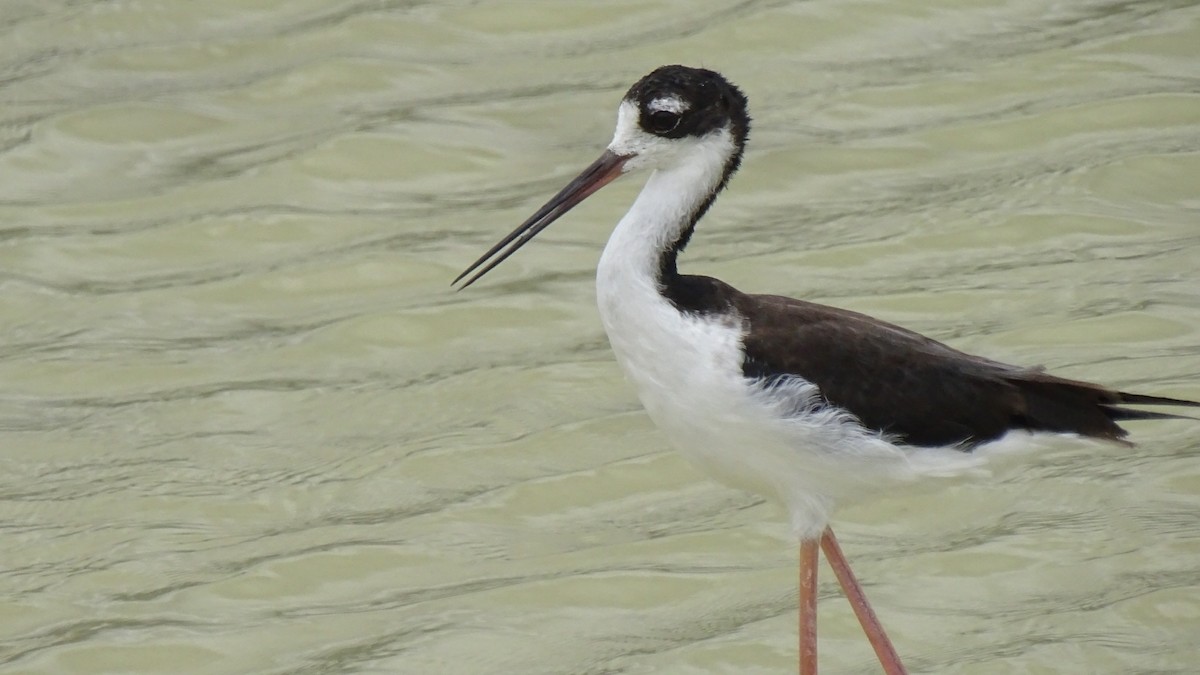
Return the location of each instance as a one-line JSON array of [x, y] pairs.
[[245, 426]]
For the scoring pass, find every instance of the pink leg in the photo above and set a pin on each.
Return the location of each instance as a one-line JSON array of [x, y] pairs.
[[808, 607], [888, 658]]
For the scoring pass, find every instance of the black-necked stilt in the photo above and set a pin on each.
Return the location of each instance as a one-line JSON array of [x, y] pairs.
[[812, 405]]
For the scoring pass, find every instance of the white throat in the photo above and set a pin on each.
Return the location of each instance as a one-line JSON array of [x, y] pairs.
[[684, 173], [669, 355]]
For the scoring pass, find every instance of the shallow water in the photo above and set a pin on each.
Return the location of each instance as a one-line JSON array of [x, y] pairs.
[[246, 427]]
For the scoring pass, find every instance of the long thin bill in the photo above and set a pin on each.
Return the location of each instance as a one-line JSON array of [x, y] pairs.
[[603, 171]]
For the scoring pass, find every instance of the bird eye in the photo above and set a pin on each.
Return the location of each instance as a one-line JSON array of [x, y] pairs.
[[663, 121]]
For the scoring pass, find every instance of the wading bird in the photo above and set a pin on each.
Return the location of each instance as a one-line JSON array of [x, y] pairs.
[[811, 405]]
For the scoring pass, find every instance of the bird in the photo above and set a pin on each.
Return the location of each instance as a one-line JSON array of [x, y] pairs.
[[810, 405]]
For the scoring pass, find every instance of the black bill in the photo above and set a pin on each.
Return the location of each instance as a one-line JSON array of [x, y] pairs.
[[602, 172]]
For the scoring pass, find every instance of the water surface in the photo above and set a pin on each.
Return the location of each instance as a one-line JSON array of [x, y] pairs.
[[246, 427]]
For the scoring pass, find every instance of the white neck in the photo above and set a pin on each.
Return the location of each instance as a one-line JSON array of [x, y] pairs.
[[685, 177]]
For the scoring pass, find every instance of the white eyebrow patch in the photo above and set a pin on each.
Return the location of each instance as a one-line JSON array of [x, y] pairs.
[[668, 104]]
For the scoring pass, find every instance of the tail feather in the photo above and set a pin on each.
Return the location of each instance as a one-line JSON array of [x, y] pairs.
[[1063, 405], [1115, 413], [1142, 399], [1119, 413]]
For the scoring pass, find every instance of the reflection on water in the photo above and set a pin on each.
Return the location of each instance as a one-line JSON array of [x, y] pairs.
[[245, 426]]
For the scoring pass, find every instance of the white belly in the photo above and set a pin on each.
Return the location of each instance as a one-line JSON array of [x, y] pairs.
[[688, 373], [777, 442]]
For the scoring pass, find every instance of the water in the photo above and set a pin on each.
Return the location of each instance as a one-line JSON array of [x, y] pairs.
[[245, 426]]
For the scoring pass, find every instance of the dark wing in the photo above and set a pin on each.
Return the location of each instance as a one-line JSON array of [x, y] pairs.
[[918, 390]]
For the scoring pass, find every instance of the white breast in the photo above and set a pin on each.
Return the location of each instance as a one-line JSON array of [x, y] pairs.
[[687, 368], [779, 442]]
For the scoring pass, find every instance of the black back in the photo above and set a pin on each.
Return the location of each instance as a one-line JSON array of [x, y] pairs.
[[902, 384], [897, 382]]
